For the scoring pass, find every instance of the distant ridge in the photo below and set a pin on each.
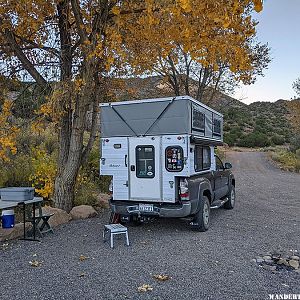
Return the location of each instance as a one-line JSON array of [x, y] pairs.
[[256, 124]]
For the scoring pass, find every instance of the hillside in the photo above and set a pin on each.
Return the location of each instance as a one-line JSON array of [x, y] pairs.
[[259, 124]]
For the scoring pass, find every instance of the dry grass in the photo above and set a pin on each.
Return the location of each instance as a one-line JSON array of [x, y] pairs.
[[286, 160]]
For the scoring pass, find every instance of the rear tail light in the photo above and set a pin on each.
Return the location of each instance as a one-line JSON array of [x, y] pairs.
[[110, 187], [184, 190]]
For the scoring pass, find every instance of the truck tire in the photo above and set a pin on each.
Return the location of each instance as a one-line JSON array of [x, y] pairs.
[[202, 218], [231, 199]]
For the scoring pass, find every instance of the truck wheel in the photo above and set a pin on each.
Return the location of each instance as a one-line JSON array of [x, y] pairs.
[[231, 199], [202, 218], [136, 221]]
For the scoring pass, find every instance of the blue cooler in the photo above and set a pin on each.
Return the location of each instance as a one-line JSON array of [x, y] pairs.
[[8, 218]]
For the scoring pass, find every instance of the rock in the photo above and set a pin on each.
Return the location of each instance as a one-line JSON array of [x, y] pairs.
[[281, 261], [13, 233], [60, 216], [82, 212], [294, 263], [276, 256], [103, 200], [295, 257], [270, 268], [269, 261], [259, 260], [286, 263], [267, 257]]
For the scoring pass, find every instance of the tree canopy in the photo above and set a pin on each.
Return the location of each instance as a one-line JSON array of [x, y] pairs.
[[70, 48]]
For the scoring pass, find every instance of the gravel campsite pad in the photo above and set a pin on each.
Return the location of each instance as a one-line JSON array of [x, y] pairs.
[[166, 259]]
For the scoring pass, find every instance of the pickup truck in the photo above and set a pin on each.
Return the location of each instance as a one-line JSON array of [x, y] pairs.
[[197, 195]]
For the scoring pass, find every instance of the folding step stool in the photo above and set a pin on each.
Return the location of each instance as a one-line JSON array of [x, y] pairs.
[[115, 229]]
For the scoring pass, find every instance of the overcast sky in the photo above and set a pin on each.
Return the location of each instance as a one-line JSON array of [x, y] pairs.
[[279, 26]]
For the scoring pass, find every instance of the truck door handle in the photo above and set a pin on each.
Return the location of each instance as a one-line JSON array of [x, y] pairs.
[[126, 160], [132, 167]]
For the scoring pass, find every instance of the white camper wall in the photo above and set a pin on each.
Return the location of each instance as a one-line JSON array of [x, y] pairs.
[[168, 178], [114, 158]]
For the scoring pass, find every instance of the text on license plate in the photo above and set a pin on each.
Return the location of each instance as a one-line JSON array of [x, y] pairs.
[[146, 207]]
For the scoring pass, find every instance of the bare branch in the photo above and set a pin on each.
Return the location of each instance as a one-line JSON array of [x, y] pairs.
[[28, 66], [79, 20]]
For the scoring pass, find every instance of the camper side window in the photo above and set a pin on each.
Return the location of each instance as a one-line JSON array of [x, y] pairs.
[[217, 127], [174, 159], [145, 165], [202, 158], [198, 120]]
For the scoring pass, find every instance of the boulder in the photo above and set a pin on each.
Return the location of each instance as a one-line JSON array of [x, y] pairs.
[[294, 263], [13, 233], [83, 212], [103, 200], [295, 257], [60, 216]]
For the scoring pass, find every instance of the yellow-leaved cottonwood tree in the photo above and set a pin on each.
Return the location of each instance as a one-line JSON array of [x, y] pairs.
[[78, 44]]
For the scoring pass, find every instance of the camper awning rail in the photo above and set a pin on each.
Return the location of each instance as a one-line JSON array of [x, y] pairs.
[[204, 141]]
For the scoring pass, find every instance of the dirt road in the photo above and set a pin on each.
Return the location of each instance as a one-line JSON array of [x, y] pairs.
[[212, 265]]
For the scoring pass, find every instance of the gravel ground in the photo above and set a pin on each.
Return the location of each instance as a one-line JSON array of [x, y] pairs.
[[212, 265]]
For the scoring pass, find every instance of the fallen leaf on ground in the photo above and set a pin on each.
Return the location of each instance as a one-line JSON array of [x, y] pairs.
[[82, 274], [5, 246], [83, 257], [144, 288], [35, 263], [161, 277]]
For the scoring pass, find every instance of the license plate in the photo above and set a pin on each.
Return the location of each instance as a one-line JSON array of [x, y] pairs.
[[146, 207]]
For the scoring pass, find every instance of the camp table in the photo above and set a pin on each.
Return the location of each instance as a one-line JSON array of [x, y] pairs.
[[7, 204], [10, 204]]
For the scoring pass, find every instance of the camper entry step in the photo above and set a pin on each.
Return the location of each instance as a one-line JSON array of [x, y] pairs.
[[115, 229]]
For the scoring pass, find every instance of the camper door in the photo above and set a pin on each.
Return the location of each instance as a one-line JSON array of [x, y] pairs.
[[144, 168]]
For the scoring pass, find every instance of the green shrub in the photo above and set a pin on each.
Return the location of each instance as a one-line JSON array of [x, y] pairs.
[[254, 139], [295, 143], [90, 183], [16, 172], [86, 193], [230, 139], [277, 139], [26, 165], [236, 131]]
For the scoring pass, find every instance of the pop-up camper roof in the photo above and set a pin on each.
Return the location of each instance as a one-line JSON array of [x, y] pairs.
[[161, 116]]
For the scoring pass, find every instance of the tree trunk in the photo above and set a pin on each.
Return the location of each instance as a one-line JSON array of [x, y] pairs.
[[64, 187], [64, 193]]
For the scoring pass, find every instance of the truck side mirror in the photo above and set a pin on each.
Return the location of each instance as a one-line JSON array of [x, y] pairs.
[[228, 165]]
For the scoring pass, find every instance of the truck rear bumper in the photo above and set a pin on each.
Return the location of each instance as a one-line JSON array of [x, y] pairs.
[[159, 210]]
